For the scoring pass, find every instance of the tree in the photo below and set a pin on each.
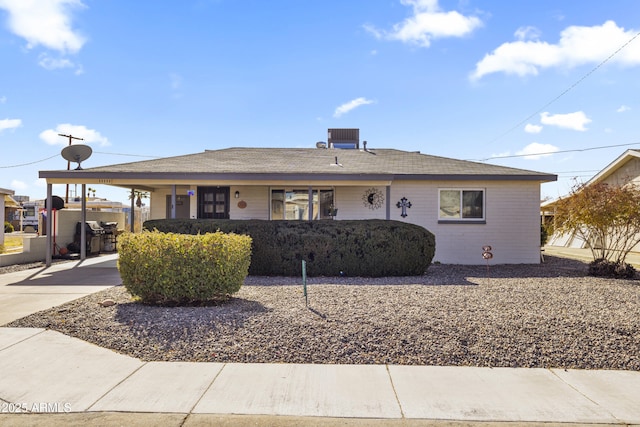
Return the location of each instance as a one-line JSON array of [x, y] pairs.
[[606, 217], [139, 195]]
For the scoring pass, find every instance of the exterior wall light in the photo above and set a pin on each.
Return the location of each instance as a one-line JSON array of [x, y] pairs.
[[237, 194]]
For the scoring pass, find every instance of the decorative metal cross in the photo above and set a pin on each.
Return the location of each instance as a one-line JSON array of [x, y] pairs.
[[404, 204]]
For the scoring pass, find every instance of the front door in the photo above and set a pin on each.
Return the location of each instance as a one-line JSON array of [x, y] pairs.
[[213, 202], [182, 206]]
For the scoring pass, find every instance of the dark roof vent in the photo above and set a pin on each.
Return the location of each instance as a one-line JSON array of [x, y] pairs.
[[343, 138]]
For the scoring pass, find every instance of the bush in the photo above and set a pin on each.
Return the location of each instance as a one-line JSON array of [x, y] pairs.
[[605, 268], [8, 228], [167, 268], [544, 235], [369, 248]]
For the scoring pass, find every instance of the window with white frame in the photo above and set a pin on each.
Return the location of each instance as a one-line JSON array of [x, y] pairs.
[[461, 205]]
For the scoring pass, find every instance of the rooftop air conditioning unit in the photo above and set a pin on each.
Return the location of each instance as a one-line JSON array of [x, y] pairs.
[[344, 138]]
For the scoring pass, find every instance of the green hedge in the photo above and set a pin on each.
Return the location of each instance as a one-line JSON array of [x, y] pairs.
[[369, 248], [162, 268]]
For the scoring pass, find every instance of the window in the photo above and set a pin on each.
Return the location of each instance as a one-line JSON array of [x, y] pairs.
[[29, 211], [295, 204], [461, 205]]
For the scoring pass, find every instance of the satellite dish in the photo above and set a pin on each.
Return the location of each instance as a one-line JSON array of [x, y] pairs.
[[76, 153], [321, 144]]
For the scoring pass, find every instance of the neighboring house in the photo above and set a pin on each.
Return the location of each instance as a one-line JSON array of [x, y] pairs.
[[623, 170], [466, 205], [5, 201]]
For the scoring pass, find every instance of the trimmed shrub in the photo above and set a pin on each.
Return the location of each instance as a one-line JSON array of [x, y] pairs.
[[369, 248], [168, 268], [605, 268]]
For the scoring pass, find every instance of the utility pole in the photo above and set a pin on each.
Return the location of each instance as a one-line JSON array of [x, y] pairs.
[[71, 137]]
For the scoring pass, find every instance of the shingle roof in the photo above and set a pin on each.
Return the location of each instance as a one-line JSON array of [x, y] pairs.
[[315, 162]]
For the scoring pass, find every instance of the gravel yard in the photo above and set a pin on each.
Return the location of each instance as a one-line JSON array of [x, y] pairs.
[[547, 315]]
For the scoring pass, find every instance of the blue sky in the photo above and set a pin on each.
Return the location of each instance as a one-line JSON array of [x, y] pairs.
[[468, 79]]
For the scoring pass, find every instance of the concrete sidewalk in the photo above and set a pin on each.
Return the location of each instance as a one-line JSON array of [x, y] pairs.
[[45, 371], [61, 380]]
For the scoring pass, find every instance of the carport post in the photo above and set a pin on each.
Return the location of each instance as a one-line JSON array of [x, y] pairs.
[[310, 197], [388, 207], [47, 227], [83, 227], [133, 206], [173, 201]]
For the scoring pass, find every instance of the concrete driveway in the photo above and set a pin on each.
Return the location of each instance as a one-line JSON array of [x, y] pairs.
[[29, 291]]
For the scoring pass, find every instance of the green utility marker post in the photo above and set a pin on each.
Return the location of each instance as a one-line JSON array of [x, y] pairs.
[[304, 282]]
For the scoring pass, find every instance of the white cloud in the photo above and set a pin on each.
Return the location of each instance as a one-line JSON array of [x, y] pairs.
[[577, 46], [623, 108], [52, 137], [355, 103], [529, 128], [10, 124], [176, 81], [527, 33], [176, 84], [44, 22], [427, 22], [574, 121], [535, 151], [498, 155], [19, 185], [49, 63]]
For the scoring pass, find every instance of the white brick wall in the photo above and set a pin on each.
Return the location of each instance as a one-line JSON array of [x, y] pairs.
[[512, 212], [349, 202], [512, 228]]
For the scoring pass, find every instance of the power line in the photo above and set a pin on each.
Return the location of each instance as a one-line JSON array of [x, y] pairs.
[[593, 70], [30, 163], [553, 152], [592, 170], [57, 155]]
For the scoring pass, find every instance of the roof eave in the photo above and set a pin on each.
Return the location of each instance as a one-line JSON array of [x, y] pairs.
[[107, 178], [477, 177]]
